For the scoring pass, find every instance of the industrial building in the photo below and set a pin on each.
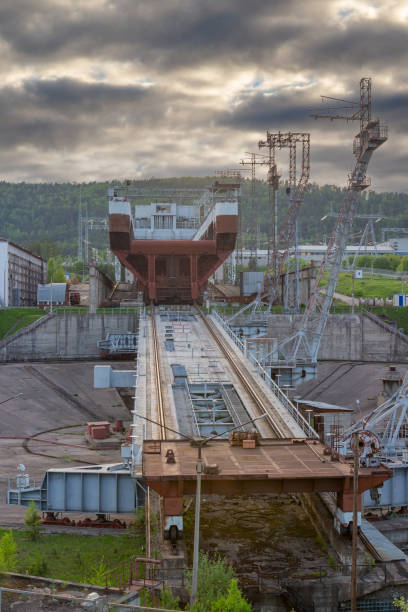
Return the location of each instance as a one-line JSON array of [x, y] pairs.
[[20, 274], [313, 252]]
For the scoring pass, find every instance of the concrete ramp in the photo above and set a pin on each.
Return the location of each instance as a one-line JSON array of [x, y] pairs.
[[382, 548]]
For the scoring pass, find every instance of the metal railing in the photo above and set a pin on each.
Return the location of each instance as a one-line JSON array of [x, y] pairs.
[[378, 271], [277, 391], [80, 310], [102, 604], [390, 328]]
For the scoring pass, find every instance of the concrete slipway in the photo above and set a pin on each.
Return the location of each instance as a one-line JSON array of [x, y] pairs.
[[55, 395]]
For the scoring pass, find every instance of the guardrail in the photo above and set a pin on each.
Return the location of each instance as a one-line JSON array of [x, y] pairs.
[[277, 391], [80, 310], [380, 272], [102, 604], [390, 328]]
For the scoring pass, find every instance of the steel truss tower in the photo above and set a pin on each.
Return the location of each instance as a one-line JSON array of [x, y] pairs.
[[296, 189], [255, 159], [297, 354]]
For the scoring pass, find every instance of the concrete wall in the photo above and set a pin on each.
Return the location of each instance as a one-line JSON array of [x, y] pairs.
[[348, 338], [100, 286], [64, 336]]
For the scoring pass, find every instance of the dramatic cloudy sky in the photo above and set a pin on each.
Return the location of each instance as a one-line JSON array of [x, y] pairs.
[[96, 89]]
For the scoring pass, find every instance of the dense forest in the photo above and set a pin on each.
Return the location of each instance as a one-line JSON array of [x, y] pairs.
[[31, 214]]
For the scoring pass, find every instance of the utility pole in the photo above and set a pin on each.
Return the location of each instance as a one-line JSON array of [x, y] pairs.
[[255, 159], [86, 252], [80, 250], [355, 526]]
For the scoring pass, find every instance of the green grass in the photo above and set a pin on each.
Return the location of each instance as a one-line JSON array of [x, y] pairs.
[[369, 287], [75, 558], [399, 314], [21, 316]]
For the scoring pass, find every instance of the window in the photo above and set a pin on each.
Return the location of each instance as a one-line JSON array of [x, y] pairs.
[[163, 222]]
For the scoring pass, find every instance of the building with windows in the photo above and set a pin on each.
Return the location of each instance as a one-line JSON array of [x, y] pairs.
[[20, 274]]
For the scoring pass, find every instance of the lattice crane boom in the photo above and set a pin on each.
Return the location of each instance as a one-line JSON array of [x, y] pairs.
[[303, 346], [389, 422]]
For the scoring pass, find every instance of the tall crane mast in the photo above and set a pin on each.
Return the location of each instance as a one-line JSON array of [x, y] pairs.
[[255, 159], [296, 189], [297, 354]]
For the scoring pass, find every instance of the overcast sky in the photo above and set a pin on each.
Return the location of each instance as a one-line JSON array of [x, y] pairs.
[[95, 89]]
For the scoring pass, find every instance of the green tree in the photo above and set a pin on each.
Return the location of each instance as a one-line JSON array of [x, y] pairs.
[[365, 261], [8, 552], [59, 275], [78, 268], [401, 603], [403, 264], [107, 269], [32, 521], [44, 248], [233, 602], [51, 269]]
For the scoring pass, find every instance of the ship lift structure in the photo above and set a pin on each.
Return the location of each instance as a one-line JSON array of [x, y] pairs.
[[176, 238]]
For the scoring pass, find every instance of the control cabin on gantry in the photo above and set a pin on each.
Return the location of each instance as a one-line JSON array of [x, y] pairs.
[[174, 243]]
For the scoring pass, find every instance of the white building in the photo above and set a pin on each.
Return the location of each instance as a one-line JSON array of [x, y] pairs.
[[311, 252], [20, 274]]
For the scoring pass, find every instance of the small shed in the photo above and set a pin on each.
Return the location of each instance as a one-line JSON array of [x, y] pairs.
[[55, 293]]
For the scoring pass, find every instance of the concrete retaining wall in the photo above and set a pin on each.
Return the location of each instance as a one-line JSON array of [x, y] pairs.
[[67, 336], [348, 338]]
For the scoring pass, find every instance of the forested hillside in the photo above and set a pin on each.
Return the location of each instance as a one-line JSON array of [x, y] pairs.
[[30, 213]]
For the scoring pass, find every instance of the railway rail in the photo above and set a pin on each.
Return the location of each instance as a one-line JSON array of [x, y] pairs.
[[159, 391], [250, 387], [156, 358], [278, 429]]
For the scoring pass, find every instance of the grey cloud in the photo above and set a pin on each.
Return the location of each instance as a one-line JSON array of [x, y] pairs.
[[70, 95], [170, 34], [169, 132], [68, 113], [274, 112]]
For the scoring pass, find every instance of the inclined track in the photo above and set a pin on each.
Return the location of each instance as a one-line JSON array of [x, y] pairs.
[[245, 378], [156, 357], [278, 430]]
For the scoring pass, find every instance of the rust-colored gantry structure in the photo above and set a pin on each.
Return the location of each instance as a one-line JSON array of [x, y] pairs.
[[271, 466], [176, 238]]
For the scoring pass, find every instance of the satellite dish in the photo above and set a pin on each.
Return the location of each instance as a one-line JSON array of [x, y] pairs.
[[21, 467]]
